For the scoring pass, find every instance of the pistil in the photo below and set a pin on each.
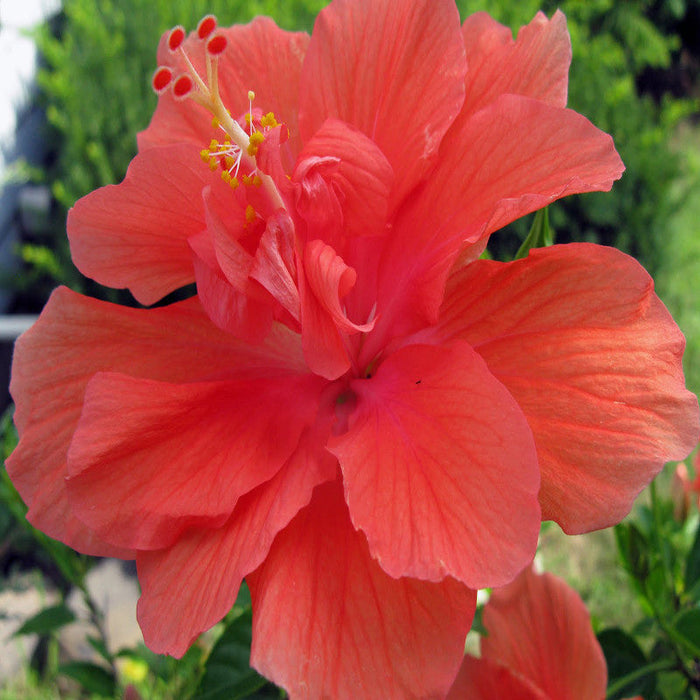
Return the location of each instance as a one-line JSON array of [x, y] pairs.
[[238, 147]]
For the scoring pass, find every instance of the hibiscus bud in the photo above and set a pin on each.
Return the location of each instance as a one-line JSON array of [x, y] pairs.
[[680, 492]]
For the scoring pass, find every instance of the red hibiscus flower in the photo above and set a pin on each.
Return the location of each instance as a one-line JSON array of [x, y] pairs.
[[540, 646], [354, 413]]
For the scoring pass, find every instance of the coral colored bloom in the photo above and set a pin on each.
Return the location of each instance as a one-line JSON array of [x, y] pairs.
[[540, 646], [354, 413]]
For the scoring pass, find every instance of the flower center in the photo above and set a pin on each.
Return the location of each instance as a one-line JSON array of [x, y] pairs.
[[236, 153]]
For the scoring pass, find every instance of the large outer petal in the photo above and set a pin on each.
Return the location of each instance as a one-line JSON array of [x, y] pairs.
[[180, 455], [511, 158], [260, 57], [440, 469], [135, 234], [483, 679], [394, 69], [535, 65], [74, 338], [329, 623], [540, 629], [593, 358], [192, 585]]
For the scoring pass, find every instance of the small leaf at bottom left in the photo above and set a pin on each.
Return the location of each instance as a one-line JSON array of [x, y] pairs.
[[47, 620]]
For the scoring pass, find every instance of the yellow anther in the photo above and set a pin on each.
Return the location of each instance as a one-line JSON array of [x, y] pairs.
[[247, 118], [257, 181], [213, 164], [230, 161], [204, 155], [251, 95], [249, 214], [247, 180], [256, 138], [226, 176], [213, 145], [215, 123], [269, 120], [233, 183]]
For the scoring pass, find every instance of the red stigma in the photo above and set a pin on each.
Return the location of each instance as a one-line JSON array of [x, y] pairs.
[[216, 45], [176, 37], [183, 86], [206, 26], [161, 79]]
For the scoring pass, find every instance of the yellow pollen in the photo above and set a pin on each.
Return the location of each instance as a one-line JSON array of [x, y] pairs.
[[213, 145], [213, 164], [251, 95], [230, 161], [249, 214], [215, 123], [204, 155], [256, 138], [257, 181], [269, 120]]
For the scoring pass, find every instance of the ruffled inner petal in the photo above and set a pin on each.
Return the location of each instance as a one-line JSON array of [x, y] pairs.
[[394, 69]]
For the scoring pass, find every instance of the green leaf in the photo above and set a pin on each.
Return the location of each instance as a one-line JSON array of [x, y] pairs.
[[100, 647], [95, 679], [541, 234], [227, 673], [625, 658], [47, 620], [687, 630], [634, 549], [692, 564]]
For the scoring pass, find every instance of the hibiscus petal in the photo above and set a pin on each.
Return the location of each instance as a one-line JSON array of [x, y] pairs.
[[394, 69], [227, 307], [274, 265], [535, 65], [509, 159], [188, 588], [593, 359], [363, 178], [483, 679], [222, 266], [328, 622], [440, 469], [324, 320], [82, 336], [540, 629], [259, 56], [180, 455], [135, 234]]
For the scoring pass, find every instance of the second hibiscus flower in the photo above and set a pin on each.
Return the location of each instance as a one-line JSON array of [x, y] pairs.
[[354, 413]]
